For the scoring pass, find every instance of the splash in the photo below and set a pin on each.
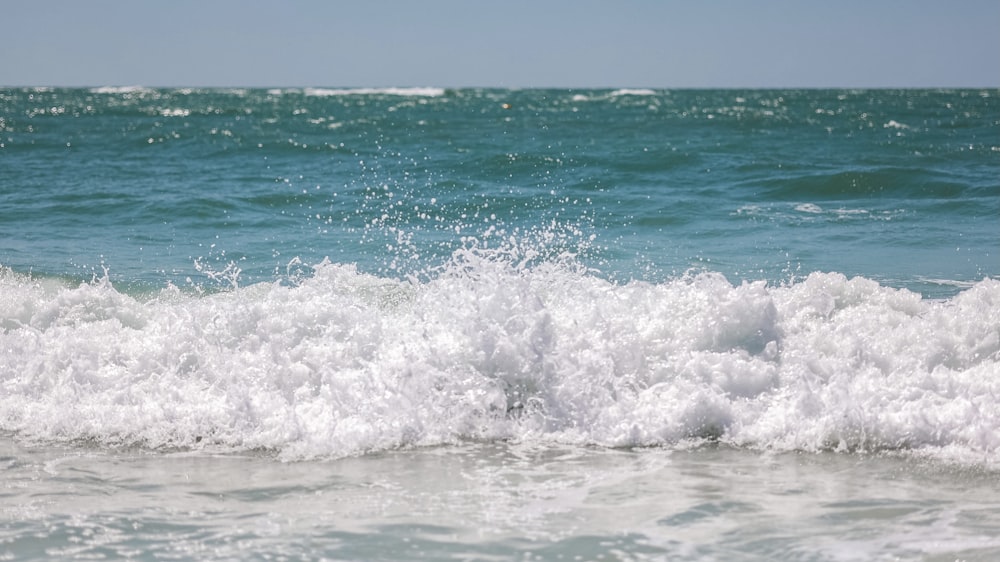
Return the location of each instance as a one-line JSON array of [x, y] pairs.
[[510, 341]]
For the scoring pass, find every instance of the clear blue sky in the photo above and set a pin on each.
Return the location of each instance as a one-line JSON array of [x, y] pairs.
[[503, 43]]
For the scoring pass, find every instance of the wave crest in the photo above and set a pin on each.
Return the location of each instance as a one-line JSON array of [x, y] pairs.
[[496, 346]]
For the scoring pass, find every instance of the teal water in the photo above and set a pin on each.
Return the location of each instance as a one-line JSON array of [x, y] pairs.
[[481, 324], [897, 186]]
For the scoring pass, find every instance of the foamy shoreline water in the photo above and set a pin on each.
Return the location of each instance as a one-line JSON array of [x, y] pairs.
[[480, 501], [346, 363]]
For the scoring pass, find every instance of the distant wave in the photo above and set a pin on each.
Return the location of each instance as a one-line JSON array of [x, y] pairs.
[[422, 92], [121, 90], [317, 92], [622, 92], [633, 92]]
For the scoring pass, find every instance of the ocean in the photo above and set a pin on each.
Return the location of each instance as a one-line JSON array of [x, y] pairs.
[[490, 324]]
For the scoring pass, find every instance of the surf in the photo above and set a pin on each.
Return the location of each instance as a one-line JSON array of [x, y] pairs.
[[498, 345]]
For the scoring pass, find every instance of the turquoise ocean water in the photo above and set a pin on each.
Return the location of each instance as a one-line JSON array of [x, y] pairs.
[[469, 324]]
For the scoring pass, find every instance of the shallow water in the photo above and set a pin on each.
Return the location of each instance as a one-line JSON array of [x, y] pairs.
[[494, 501]]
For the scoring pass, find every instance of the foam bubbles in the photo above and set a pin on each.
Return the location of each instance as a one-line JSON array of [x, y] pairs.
[[501, 345]]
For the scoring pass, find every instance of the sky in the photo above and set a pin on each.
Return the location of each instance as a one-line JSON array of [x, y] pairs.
[[501, 43]]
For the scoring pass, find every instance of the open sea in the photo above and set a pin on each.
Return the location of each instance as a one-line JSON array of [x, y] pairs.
[[483, 324]]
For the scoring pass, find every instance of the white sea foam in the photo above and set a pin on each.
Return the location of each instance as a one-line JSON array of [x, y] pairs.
[[633, 92], [499, 346], [420, 92], [812, 211], [121, 90], [809, 208]]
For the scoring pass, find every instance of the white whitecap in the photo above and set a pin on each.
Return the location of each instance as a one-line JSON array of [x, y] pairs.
[[633, 92], [121, 90], [499, 346], [808, 208], [420, 92]]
